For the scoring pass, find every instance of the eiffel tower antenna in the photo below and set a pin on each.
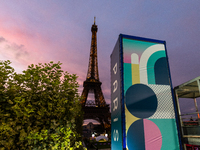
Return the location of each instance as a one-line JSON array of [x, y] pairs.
[[96, 109]]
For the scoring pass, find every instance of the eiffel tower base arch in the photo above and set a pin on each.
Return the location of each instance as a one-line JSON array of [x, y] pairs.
[[100, 114]]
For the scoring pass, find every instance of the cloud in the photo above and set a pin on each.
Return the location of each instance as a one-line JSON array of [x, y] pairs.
[[19, 51], [2, 39]]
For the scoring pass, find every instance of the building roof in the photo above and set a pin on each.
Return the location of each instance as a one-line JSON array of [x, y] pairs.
[[190, 89]]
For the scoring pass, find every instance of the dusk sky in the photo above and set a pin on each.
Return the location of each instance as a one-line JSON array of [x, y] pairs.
[[41, 31]]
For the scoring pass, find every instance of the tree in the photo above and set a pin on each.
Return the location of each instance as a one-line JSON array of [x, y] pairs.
[[39, 109]]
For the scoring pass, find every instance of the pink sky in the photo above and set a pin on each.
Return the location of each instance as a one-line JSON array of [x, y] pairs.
[[33, 32]]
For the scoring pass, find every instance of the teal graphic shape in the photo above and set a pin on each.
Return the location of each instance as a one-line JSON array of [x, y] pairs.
[[150, 66], [127, 76]]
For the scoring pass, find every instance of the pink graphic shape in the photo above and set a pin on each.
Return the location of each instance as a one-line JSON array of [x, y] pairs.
[[152, 134]]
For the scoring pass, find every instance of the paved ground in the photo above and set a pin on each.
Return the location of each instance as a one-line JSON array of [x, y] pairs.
[[95, 149], [100, 149]]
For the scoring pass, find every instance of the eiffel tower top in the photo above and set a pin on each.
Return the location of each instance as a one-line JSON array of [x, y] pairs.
[[93, 74]]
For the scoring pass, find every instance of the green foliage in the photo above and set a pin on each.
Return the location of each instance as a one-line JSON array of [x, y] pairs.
[[39, 109]]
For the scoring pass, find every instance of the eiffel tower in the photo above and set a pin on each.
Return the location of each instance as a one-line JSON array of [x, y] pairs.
[[96, 109]]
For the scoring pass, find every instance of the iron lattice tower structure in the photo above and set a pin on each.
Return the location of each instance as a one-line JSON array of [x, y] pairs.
[[96, 109]]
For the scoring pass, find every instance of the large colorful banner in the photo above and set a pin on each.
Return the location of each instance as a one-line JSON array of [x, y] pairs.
[[146, 96]]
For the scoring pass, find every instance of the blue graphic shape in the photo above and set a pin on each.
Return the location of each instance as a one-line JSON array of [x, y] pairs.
[[135, 136], [141, 101], [161, 71]]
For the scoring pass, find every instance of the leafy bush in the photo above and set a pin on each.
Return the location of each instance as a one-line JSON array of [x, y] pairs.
[[40, 108]]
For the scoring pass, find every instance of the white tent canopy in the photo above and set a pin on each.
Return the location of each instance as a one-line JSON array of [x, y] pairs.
[[101, 137]]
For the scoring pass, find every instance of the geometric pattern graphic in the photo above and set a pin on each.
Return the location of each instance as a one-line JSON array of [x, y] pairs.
[[149, 110], [141, 134], [142, 105]]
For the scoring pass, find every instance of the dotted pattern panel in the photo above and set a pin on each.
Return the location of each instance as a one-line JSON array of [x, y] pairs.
[[165, 109]]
